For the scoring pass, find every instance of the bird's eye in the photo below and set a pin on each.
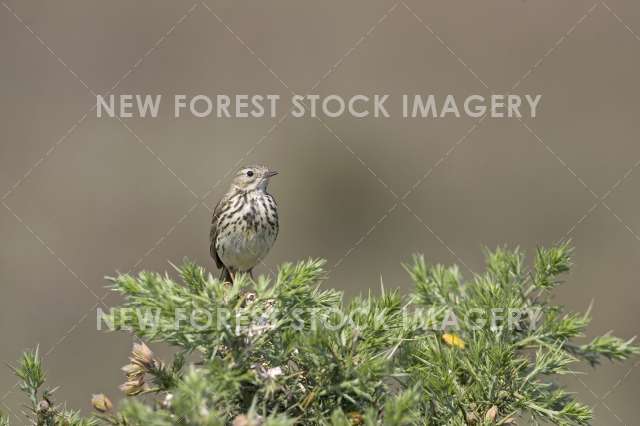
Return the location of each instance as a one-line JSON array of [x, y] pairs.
[[250, 173]]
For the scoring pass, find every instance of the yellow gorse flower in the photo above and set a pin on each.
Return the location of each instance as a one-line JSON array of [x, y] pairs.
[[453, 340]]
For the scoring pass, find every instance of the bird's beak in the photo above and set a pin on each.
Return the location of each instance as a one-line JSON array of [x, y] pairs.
[[271, 173]]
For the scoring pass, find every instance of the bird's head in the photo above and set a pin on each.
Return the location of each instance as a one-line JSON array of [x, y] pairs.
[[252, 178]]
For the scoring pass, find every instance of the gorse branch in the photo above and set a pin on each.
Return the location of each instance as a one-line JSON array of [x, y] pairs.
[[483, 350]]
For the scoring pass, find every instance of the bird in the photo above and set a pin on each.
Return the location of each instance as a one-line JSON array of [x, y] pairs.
[[244, 225]]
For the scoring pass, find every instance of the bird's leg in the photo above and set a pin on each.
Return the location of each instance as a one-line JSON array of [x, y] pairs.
[[225, 275]]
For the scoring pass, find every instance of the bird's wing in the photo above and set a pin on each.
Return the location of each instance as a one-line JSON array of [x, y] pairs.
[[275, 203], [213, 235]]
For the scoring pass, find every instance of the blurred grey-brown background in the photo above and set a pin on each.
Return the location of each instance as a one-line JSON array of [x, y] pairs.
[[84, 197]]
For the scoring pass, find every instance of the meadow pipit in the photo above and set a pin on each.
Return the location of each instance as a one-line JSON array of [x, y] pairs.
[[245, 223]]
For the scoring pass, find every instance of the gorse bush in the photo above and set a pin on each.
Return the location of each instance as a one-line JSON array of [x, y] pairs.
[[286, 351]]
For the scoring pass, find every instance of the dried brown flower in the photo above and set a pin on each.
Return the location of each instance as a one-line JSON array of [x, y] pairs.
[[356, 418], [142, 362], [133, 370], [143, 356], [44, 406], [101, 403], [491, 414], [133, 386], [243, 420]]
